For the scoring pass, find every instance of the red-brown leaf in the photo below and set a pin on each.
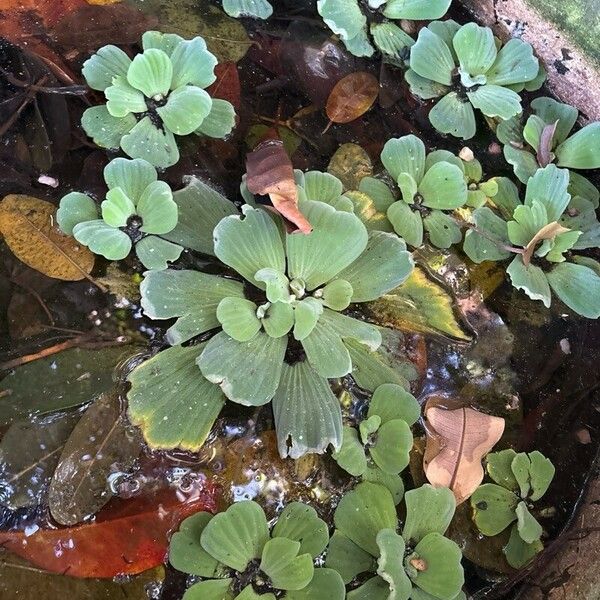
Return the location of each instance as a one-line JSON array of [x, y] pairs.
[[352, 97], [270, 171], [227, 85], [128, 537]]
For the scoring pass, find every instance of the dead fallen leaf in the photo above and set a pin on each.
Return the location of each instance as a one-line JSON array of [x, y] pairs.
[[227, 85], [270, 171], [544, 152], [351, 97], [457, 440], [29, 228], [545, 233]]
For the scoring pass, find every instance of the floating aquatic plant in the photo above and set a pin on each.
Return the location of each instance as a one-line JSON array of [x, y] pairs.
[[257, 9], [419, 562], [279, 326], [238, 555], [546, 137], [364, 30], [154, 97], [541, 234], [520, 481], [463, 67], [137, 212]]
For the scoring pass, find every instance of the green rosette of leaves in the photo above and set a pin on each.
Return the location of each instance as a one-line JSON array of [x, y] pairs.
[[363, 31], [137, 212], [418, 563], [541, 234], [279, 331], [520, 481], [154, 97], [255, 9], [379, 450], [430, 187], [546, 137], [463, 67], [238, 556]]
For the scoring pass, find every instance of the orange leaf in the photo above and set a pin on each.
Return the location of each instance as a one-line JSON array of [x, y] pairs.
[[547, 232], [128, 537], [227, 85], [270, 171], [457, 440], [352, 97]]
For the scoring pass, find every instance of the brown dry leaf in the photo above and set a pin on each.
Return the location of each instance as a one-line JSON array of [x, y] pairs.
[[544, 152], [545, 233], [270, 171], [29, 229], [457, 440], [352, 97]]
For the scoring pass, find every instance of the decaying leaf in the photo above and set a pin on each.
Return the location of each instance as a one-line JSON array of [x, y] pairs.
[[127, 537], [350, 164], [29, 228], [270, 171], [544, 152], [227, 86], [352, 97], [101, 443], [547, 232], [457, 440], [419, 305]]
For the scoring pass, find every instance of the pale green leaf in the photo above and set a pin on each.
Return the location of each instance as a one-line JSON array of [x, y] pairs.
[[220, 121], [408, 224], [326, 584], [278, 319], [416, 10], [390, 401], [515, 63], [549, 187], [424, 88], [103, 128], [100, 69], [404, 155], [541, 474], [389, 568], [117, 208], [493, 508], [392, 447], [157, 208], [100, 238], [238, 318], [75, 208], [123, 99], [193, 64], [431, 58], [499, 469], [532, 280], [155, 253], [487, 245], [343, 17], [529, 529], [282, 565], [442, 229], [455, 116], [167, 42], [132, 176], [347, 558], [551, 111], [300, 522], [577, 286], [186, 553], [443, 187], [582, 149], [306, 315], [185, 110], [475, 48], [518, 552], [257, 9], [337, 294], [322, 187], [392, 482], [496, 101], [213, 589], [147, 141], [428, 510], [373, 589], [351, 456], [151, 72]]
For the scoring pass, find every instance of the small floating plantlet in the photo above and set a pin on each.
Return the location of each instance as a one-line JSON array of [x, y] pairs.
[[521, 480], [154, 97]]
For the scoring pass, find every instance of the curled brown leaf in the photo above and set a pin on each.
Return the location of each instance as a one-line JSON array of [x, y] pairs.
[[547, 232], [352, 97]]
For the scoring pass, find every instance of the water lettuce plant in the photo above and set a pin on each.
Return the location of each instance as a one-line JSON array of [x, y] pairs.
[[429, 185], [137, 212], [154, 97], [540, 234], [379, 450], [257, 9], [238, 555], [278, 324], [362, 28], [463, 67], [520, 480], [547, 137], [417, 563]]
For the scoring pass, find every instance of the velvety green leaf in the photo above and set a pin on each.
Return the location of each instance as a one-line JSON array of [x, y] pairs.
[[524, 163], [186, 108], [518, 552], [123, 99], [499, 469], [220, 121], [248, 593], [349, 328], [307, 415], [416, 10], [583, 219], [515, 64], [151, 72], [258, 9], [250, 243], [337, 294], [532, 280], [582, 149], [493, 508], [438, 156], [549, 186], [278, 320], [213, 589], [306, 315], [532, 132], [75, 208], [442, 229], [322, 187], [392, 482], [578, 287], [581, 186], [108, 62], [475, 48], [236, 536], [391, 41], [363, 512], [100, 238], [132, 176], [408, 224], [392, 446], [541, 474], [343, 17], [299, 522], [326, 352], [351, 456], [167, 42], [391, 401], [487, 245], [347, 558], [248, 372], [507, 198], [551, 111], [155, 253], [529, 529], [117, 208], [444, 576], [368, 427], [520, 467], [454, 116], [428, 510], [157, 208], [103, 128], [339, 236], [193, 64], [186, 553], [190, 295], [147, 141], [389, 568], [446, 29], [281, 563], [359, 45], [378, 191], [238, 318], [170, 400], [404, 155], [431, 58], [528, 221], [422, 87], [200, 209], [496, 101], [277, 284], [326, 584], [373, 589]]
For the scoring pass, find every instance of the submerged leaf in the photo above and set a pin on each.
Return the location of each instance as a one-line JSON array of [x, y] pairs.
[[351, 97]]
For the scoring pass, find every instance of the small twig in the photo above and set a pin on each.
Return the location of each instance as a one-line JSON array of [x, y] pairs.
[[27, 358], [76, 90], [28, 97]]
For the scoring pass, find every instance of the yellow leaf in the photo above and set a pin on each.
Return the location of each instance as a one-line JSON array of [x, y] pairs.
[[29, 229]]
